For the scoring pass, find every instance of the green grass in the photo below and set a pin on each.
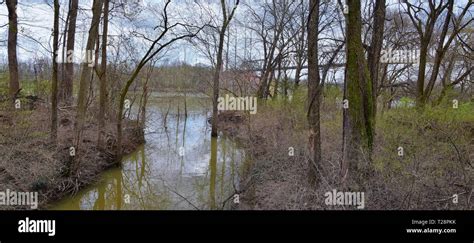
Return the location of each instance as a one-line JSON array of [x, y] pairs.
[[426, 135], [29, 87]]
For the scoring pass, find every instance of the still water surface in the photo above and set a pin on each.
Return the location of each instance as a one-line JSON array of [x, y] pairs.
[[179, 166]]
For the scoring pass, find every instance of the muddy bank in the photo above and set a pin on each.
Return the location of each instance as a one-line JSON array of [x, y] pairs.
[[274, 179], [29, 162]]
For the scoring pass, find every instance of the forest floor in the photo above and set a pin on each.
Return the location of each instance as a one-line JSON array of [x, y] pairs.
[[29, 162], [437, 162]]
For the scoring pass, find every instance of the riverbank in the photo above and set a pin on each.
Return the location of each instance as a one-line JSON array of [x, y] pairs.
[[276, 179], [30, 162], [436, 164]]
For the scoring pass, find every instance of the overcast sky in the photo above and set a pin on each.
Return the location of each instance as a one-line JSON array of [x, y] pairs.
[[36, 21]]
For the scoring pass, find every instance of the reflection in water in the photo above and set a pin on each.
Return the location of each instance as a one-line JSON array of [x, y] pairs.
[[118, 183], [213, 167], [179, 167], [100, 202]]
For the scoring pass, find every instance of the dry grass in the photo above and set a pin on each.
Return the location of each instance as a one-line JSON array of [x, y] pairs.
[[436, 164]]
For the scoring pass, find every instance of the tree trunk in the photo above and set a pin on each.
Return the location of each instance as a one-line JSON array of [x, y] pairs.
[[300, 48], [440, 51], [12, 43], [268, 69], [314, 92], [285, 85], [64, 52], [375, 49], [216, 77], [297, 76], [85, 77], [359, 136], [103, 76], [420, 83], [215, 96], [278, 77], [66, 94], [54, 82]]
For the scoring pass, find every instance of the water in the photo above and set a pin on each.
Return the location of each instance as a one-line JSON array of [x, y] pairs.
[[179, 167]]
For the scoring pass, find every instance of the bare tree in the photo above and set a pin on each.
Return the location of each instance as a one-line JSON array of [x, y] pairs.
[[12, 44], [458, 60], [85, 77], [375, 48], [66, 91], [299, 42], [54, 82], [103, 76], [314, 89], [269, 22], [227, 17], [425, 21], [158, 44]]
